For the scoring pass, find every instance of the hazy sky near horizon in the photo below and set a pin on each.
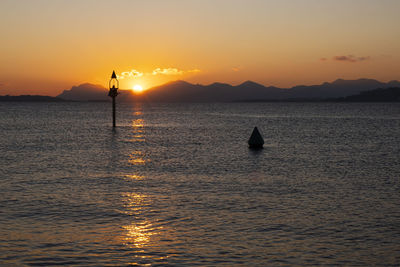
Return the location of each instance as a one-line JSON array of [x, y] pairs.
[[50, 45]]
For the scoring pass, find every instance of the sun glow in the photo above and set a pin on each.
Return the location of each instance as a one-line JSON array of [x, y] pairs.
[[137, 88]]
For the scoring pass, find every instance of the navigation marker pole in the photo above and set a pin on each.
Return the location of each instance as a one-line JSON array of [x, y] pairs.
[[113, 84]]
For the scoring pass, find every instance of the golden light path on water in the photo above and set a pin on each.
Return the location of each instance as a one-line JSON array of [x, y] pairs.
[[138, 131], [136, 158], [139, 233], [134, 177]]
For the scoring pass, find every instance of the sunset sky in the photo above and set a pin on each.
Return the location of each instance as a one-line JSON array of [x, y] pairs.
[[49, 46]]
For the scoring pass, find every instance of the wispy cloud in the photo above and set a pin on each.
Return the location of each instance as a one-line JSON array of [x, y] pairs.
[[130, 74], [167, 71], [193, 71], [351, 58], [158, 71]]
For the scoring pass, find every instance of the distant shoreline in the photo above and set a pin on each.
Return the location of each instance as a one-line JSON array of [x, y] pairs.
[[31, 98], [388, 95], [41, 98]]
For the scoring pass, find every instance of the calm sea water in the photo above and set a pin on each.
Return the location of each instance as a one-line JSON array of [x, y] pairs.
[[176, 185]]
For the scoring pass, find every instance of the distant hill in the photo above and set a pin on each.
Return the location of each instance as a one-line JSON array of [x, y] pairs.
[[30, 98], [339, 88], [85, 92], [378, 95], [93, 92], [181, 91]]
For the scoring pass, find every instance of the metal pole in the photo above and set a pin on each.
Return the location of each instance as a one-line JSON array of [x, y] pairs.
[[113, 103]]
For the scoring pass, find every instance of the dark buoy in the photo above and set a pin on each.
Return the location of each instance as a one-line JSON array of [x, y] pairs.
[[256, 141]]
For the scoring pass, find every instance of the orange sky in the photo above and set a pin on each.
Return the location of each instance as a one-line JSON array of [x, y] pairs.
[[48, 46]]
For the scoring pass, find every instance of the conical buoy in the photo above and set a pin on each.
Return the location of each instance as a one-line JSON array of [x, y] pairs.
[[256, 141]]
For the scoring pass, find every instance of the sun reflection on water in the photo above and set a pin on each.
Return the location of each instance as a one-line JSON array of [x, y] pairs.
[[134, 177], [138, 128], [140, 231], [135, 201], [139, 234], [138, 109], [138, 123], [137, 158]]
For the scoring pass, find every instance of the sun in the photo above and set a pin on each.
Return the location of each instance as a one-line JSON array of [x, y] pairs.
[[137, 88]]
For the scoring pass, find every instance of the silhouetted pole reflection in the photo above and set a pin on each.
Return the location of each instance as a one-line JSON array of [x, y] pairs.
[[113, 85]]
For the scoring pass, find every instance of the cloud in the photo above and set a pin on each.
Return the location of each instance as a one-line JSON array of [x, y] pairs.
[[193, 71], [173, 71], [351, 58], [168, 71], [130, 74], [236, 69], [323, 59], [158, 71]]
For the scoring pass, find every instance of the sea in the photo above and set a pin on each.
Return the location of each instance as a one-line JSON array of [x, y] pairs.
[[176, 184]]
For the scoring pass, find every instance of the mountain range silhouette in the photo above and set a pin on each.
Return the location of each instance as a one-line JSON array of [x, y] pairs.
[[181, 91]]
